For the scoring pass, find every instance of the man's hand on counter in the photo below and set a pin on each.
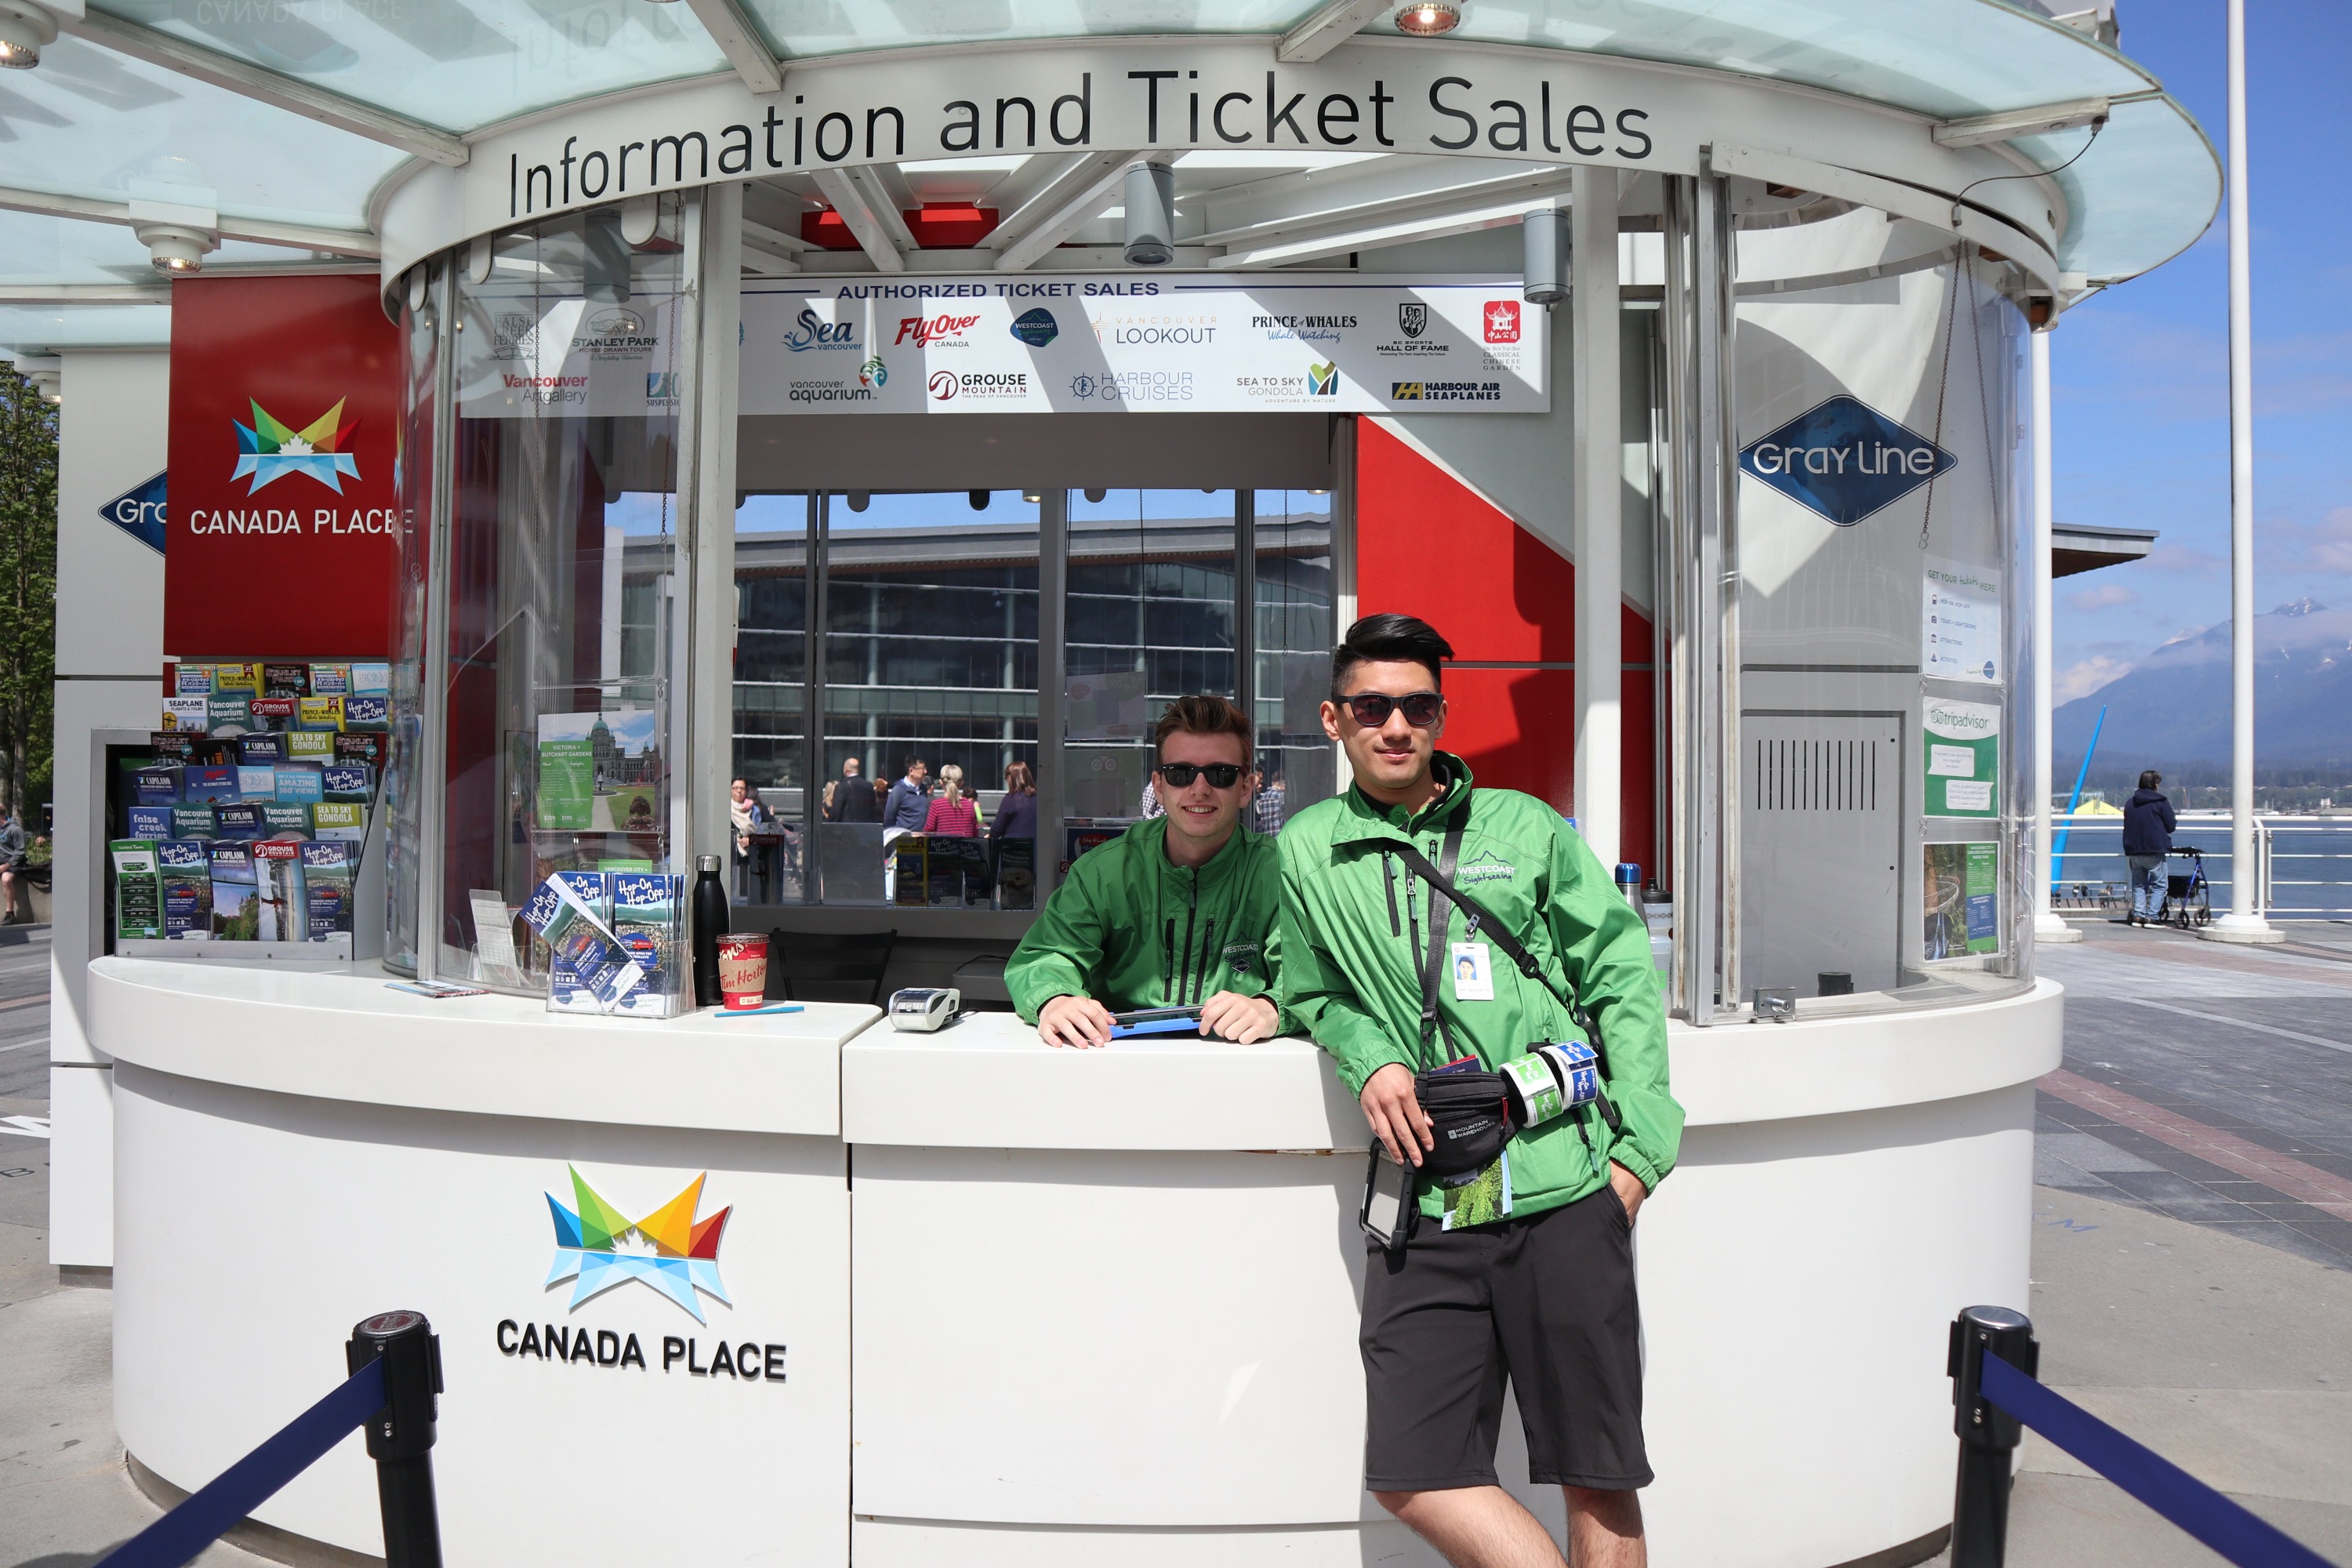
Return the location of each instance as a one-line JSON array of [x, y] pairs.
[[1394, 1112], [1230, 1016], [1080, 1021]]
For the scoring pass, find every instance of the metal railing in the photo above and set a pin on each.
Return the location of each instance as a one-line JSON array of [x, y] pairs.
[[2303, 865]]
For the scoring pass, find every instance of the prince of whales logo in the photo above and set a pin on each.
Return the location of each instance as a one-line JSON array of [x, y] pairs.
[[268, 452], [669, 1250]]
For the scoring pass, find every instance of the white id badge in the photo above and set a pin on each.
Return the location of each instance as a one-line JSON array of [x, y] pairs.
[[1473, 974]]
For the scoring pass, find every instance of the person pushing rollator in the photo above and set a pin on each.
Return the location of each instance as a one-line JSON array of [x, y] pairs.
[[1433, 933]]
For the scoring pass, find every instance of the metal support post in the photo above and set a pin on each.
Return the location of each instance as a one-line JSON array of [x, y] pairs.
[[1598, 482], [2242, 923], [2047, 926], [1989, 1436], [400, 1436]]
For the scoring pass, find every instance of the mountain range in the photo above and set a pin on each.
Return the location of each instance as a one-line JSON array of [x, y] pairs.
[[2173, 708]]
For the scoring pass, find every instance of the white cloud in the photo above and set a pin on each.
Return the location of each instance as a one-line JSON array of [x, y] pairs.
[[2082, 679], [2104, 596]]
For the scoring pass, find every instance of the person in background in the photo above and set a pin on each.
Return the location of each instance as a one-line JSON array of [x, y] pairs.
[[2148, 841], [952, 814], [1016, 814], [1270, 805], [849, 798], [910, 801], [744, 814], [15, 860]]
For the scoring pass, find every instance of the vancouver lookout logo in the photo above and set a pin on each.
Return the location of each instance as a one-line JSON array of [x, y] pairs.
[[669, 1250], [269, 450]]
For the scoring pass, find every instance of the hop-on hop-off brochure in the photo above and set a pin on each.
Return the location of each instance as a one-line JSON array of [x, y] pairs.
[[589, 969]]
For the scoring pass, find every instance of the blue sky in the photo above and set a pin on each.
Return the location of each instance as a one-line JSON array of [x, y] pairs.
[[2141, 373]]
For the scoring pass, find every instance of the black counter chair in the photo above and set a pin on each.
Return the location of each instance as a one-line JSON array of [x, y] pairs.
[[829, 966]]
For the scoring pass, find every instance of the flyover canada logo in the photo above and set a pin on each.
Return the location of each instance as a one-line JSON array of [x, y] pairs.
[[268, 451], [669, 1250], [1845, 460]]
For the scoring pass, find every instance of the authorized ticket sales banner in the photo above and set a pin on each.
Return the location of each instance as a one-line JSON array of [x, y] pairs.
[[283, 511], [1184, 344]]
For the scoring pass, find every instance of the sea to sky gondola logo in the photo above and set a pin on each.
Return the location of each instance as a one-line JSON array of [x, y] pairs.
[[669, 1250], [268, 451]]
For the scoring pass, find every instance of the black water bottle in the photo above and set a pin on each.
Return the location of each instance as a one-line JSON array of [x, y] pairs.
[[710, 916]]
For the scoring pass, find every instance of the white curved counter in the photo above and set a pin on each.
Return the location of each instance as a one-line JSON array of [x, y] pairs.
[[1095, 1307]]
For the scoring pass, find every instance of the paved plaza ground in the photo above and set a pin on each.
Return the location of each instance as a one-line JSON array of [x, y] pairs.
[[2192, 1257]]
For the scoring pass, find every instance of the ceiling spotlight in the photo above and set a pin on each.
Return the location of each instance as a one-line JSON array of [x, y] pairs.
[[176, 252], [23, 29], [46, 373], [1428, 19], [1150, 216]]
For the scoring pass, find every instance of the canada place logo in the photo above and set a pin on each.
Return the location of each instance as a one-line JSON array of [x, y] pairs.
[[268, 452], [669, 1250]]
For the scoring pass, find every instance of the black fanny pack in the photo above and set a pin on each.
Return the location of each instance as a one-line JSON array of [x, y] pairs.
[[1469, 1121]]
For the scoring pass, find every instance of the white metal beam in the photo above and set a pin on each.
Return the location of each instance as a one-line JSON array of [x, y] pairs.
[[301, 236], [1284, 203], [249, 80], [1075, 197], [849, 200], [740, 42], [1395, 226], [2041, 120], [84, 293], [1327, 29]]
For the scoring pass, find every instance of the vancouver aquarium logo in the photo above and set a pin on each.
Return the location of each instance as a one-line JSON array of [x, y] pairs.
[[1845, 460], [669, 1250], [267, 451]]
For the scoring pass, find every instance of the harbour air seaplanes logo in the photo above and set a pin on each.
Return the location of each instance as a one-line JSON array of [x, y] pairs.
[[669, 1250], [267, 451]]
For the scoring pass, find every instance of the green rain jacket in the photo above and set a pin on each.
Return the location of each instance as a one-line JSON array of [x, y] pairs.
[[1130, 930], [1355, 927]]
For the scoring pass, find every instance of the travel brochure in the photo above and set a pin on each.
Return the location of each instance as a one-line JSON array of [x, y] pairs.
[[246, 819], [615, 942]]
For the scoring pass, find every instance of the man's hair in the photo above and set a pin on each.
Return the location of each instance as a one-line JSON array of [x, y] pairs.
[[2151, 779], [913, 761], [1021, 776], [1203, 715], [1390, 639], [849, 762]]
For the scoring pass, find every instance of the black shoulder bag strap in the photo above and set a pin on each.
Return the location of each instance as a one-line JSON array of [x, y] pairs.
[[1433, 962], [1481, 919]]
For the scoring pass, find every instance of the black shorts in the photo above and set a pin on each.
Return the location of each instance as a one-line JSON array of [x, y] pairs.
[[1548, 1302]]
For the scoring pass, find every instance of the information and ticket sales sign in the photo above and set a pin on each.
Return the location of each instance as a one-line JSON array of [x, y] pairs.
[[1187, 343]]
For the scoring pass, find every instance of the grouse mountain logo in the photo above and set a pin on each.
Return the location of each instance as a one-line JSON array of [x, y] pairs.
[[268, 451]]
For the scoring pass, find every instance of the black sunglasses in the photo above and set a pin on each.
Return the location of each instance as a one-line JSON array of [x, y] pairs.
[[1372, 709], [1179, 776]]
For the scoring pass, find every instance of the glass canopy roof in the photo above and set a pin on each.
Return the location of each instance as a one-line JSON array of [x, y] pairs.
[[92, 123]]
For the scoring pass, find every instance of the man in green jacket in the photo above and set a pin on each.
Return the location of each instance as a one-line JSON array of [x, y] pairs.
[[1177, 911], [1527, 1270]]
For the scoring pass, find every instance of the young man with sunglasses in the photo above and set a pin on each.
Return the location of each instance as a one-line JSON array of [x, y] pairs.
[[1177, 911], [1391, 977]]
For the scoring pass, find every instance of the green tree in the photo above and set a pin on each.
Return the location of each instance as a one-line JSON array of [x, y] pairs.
[[28, 592]]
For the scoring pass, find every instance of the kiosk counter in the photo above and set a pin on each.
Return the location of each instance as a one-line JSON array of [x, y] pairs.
[[799, 1287]]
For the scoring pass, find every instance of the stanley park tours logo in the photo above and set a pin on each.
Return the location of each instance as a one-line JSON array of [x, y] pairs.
[[1845, 460], [669, 1250], [268, 451]]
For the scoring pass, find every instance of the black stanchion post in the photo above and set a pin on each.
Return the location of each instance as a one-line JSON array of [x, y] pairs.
[[1989, 1436], [400, 1436]]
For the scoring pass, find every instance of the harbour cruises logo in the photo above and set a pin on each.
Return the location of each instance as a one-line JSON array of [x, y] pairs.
[[268, 451], [669, 1250], [1845, 460]]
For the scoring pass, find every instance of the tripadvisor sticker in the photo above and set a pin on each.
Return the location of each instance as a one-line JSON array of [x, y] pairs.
[[1963, 760]]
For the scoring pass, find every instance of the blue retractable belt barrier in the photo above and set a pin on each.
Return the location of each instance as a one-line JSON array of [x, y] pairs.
[[2228, 1529], [245, 1486]]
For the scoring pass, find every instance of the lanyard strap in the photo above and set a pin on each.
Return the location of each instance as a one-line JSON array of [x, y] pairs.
[[1434, 964]]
